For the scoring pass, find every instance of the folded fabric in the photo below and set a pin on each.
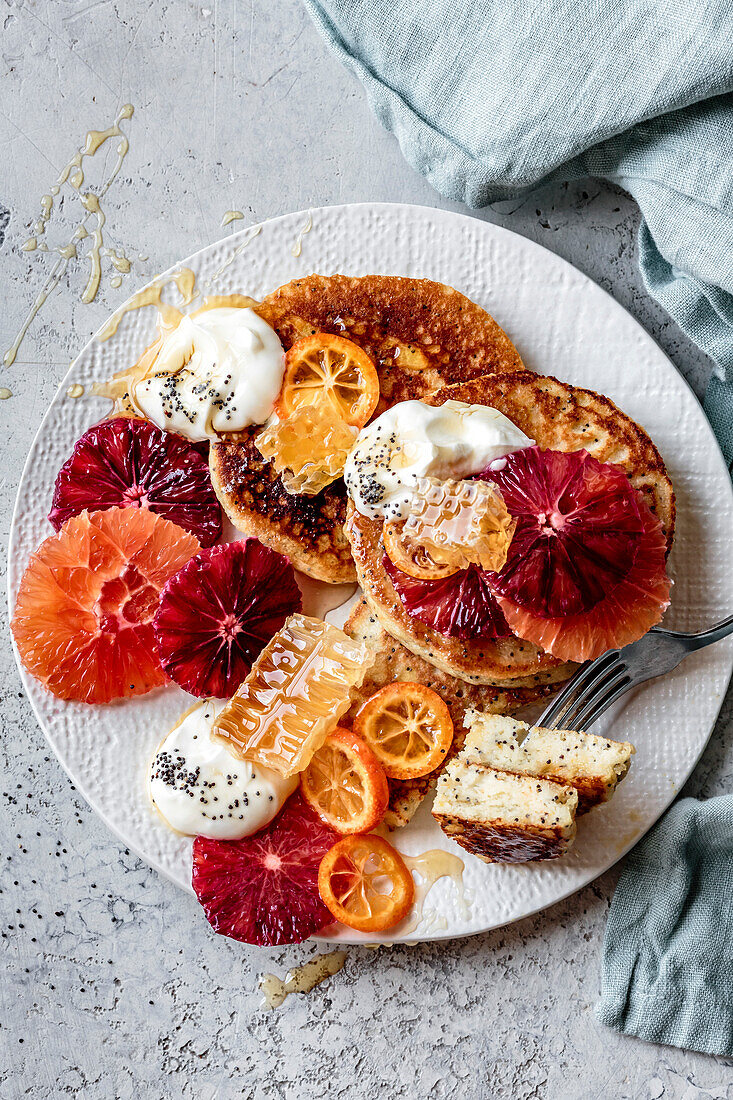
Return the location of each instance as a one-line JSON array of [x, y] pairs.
[[488, 100], [668, 952]]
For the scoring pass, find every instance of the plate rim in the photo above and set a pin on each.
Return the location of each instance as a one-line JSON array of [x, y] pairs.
[[234, 239]]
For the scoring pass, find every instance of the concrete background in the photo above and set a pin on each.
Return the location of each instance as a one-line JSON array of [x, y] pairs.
[[111, 984]]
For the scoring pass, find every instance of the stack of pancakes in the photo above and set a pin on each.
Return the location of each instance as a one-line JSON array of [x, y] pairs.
[[431, 343]]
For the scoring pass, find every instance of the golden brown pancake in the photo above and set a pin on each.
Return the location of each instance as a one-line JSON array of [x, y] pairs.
[[559, 417], [422, 335], [394, 662], [508, 662]]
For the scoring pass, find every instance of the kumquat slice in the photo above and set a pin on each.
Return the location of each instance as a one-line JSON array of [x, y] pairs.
[[365, 883], [412, 558], [408, 727], [324, 367], [345, 783]]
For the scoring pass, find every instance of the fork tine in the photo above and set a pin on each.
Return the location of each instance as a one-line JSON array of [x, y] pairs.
[[588, 709], [576, 688], [593, 712]]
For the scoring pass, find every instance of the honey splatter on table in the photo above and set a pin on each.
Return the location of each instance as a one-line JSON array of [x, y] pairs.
[[301, 979], [93, 216]]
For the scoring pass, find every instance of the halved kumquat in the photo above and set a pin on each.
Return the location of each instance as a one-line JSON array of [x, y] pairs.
[[324, 367], [345, 783], [409, 728], [365, 883]]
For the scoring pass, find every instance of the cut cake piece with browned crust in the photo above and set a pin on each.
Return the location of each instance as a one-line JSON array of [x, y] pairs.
[[504, 818], [393, 662], [421, 335], [593, 766]]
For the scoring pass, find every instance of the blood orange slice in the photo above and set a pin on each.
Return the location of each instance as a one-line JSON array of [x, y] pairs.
[[628, 610], [83, 618], [127, 463], [586, 567], [264, 889], [219, 612], [578, 533], [460, 606]]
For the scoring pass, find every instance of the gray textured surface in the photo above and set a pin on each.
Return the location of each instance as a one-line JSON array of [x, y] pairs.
[[111, 985]]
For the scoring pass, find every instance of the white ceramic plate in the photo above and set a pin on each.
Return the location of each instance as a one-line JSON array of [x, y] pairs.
[[562, 324]]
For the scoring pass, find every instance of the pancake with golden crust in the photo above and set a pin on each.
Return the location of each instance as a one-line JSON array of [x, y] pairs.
[[394, 662], [559, 417], [421, 335], [507, 662]]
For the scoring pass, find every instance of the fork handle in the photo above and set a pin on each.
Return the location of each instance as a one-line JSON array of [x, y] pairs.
[[706, 637]]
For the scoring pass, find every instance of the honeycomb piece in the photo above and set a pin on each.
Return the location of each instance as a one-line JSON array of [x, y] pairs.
[[308, 448], [295, 694], [460, 523]]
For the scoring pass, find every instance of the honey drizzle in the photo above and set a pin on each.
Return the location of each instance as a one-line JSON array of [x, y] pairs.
[[73, 173], [301, 979], [432, 866], [254, 232], [185, 281], [231, 216], [305, 228]]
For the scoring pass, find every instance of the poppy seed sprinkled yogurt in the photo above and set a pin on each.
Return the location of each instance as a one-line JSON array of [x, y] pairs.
[[413, 440], [201, 789]]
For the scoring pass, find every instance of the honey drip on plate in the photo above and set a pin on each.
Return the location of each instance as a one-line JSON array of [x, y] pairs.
[[231, 216], [430, 867], [306, 228], [75, 391], [295, 694], [73, 175], [185, 281], [301, 979], [253, 232]]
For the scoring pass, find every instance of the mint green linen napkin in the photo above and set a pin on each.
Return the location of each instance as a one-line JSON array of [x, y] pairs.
[[489, 98], [668, 954]]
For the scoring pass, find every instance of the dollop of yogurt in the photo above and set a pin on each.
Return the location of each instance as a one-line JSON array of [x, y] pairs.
[[201, 789], [413, 440], [218, 371]]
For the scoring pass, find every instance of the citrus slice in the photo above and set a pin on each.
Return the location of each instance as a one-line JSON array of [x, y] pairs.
[[323, 367], [579, 526], [132, 464], [218, 613], [365, 883], [345, 783], [628, 610], [408, 727], [459, 606], [83, 620], [411, 557], [264, 889]]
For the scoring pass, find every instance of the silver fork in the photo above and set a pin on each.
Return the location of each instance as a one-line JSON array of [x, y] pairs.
[[597, 685]]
